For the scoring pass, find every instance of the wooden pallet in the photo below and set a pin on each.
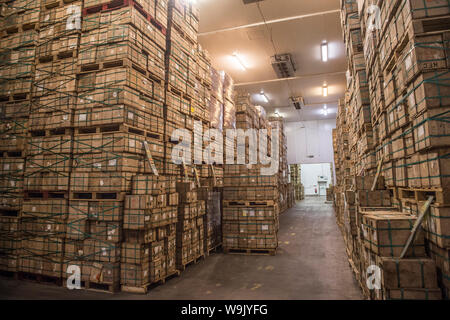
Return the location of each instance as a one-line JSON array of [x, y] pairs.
[[57, 3], [249, 203], [10, 212], [254, 252], [178, 92], [98, 196], [146, 287], [12, 154], [394, 192], [96, 287], [118, 4], [20, 28], [39, 278], [419, 194], [214, 249], [50, 132], [44, 194], [57, 56], [109, 128], [196, 260], [15, 97], [117, 63]]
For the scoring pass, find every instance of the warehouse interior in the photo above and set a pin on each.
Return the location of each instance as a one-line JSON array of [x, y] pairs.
[[120, 179]]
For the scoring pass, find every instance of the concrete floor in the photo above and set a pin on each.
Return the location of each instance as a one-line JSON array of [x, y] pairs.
[[310, 264]]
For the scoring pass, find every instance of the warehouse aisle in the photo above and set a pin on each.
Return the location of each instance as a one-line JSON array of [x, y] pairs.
[[310, 264]]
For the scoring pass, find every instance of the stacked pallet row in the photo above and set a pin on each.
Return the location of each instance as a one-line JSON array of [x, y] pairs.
[[381, 85], [250, 199], [119, 114], [190, 229], [148, 252], [283, 171], [17, 56], [50, 135], [189, 91], [411, 120], [296, 180]]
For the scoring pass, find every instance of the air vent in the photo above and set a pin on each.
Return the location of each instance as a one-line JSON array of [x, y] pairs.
[[283, 65], [251, 1], [298, 102]]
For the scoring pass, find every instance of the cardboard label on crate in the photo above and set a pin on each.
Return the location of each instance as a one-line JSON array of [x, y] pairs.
[[420, 131], [82, 117]]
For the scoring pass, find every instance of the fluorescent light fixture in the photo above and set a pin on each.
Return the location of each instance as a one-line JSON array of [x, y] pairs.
[[324, 48], [264, 97], [277, 113], [239, 61], [324, 111], [325, 90]]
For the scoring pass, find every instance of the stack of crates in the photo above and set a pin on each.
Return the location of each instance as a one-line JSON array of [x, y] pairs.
[[49, 145], [149, 232], [250, 199], [212, 220], [17, 56], [119, 112], [296, 180], [190, 229], [283, 172], [399, 69]]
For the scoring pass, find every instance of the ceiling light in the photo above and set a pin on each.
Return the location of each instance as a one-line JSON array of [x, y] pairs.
[[277, 113], [264, 97], [324, 111], [324, 51], [239, 61], [325, 90]]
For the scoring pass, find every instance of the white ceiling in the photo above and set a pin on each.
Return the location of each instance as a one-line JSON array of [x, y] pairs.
[[301, 37]]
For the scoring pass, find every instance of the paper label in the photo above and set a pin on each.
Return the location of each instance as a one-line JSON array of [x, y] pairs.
[[420, 131]]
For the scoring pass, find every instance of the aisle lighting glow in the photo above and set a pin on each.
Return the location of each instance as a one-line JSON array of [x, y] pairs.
[[239, 61], [264, 97], [324, 51], [325, 90]]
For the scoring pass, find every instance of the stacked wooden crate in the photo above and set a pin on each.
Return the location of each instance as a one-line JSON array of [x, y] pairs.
[[49, 152], [148, 252], [405, 59], [414, 60], [17, 56], [250, 199], [190, 228], [296, 180], [92, 92], [283, 171], [192, 86]]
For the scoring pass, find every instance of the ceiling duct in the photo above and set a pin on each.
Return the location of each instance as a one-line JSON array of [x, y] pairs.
[[298, 102], [251, 1], [283, 65]]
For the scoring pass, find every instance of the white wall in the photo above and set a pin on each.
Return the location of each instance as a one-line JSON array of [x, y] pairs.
[[314, 139], [310, 174]]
